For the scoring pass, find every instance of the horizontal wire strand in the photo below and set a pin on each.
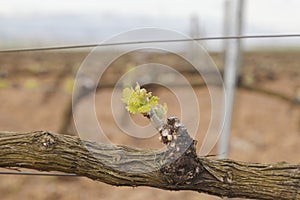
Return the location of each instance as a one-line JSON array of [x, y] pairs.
[[38, 174], [148, 41]]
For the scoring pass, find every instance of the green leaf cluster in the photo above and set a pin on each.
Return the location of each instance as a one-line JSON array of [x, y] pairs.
[[138, 100]]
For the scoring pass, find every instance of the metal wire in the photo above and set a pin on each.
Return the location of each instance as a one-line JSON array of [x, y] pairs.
[[148, 41], [38, 174]]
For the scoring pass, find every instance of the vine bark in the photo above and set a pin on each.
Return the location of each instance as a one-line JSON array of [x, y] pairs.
[[127, 166]]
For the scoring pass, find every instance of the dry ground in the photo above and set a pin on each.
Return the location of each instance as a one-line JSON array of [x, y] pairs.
[[33, 96]]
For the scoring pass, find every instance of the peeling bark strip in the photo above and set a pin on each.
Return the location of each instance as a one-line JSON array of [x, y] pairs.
[[46, 151]]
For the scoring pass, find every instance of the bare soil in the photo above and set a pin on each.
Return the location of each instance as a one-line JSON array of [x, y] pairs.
[[34, 96]]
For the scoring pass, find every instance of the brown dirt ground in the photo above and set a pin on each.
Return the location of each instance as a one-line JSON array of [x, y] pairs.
[[265, 128]]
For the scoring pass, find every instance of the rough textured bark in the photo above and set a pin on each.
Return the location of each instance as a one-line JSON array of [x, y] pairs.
[[126, 166]]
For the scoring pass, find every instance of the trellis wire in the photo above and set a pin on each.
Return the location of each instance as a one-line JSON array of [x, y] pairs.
[[149, 41], [37, 174], [124, 43]]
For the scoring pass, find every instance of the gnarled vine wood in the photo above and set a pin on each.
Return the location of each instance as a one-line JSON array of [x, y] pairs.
[[46, 151]]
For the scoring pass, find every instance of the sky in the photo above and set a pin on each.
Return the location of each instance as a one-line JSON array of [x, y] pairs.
[[57, 22], [151, 8]]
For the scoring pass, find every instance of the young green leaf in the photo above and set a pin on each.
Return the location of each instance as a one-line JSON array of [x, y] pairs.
[[139, 100]]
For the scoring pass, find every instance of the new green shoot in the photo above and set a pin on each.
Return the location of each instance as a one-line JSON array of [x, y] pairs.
[[138, 100]]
